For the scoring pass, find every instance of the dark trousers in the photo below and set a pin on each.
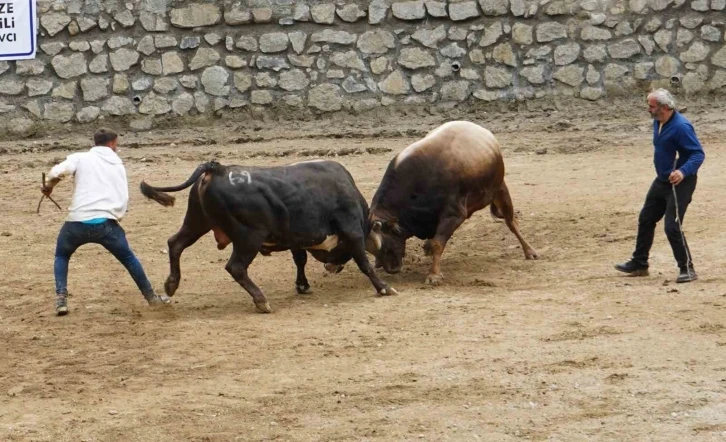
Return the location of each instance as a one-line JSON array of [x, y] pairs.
[[659, 202], [110, 235]]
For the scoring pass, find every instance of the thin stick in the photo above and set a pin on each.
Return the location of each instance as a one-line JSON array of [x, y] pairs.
[[689, 263], [46, 196], [39, 202], [56, 204]]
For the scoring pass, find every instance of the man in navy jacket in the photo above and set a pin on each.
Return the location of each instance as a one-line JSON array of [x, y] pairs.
[[672, 134]]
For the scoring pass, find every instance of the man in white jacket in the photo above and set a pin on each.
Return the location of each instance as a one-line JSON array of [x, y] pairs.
[[99, 201]]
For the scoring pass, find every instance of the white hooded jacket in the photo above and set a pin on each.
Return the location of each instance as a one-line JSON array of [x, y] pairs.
[[101, 188]]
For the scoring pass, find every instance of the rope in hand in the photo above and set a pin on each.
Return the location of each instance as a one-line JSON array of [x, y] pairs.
[[46, 196], [689, 263]]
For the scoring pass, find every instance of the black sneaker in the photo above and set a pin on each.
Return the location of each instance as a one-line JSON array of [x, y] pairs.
[[154, 299], [61, 305], [687, 274], [632, 268]]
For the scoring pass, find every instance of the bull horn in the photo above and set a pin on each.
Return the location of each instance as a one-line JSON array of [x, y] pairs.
[[374, 243], [377, 226]]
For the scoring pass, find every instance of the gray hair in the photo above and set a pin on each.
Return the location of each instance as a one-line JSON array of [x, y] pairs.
[[663, 98]]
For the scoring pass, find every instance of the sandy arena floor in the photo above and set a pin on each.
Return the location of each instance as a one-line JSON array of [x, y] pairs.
[[562, 348]]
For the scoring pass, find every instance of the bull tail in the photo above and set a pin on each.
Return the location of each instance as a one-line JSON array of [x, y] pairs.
[[497, 214], [158, 193]]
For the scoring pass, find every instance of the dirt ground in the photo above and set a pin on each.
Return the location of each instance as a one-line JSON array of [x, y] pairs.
[[562, 348]]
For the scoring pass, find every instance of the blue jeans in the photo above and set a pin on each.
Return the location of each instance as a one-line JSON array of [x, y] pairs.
[[111, 236]]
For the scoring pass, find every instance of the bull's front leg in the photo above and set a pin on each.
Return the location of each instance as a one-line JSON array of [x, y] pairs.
[[358, 245], [301, 281], [436, 245], [361, 259], [186, 236], [503, 202]]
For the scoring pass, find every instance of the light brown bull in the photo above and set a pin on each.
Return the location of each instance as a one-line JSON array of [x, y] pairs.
[[433, 186]]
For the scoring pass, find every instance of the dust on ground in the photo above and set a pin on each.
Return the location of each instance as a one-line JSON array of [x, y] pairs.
[[562, 348]]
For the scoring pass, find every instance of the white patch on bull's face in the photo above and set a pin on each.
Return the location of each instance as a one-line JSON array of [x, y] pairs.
[[239, 177], [329, 244], [269, 244]]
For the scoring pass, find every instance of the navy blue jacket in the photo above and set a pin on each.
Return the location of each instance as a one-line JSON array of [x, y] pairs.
[[677, 135]]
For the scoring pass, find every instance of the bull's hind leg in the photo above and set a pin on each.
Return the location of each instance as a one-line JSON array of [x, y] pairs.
[[246, 245], [301, 281], [503, 203], [187, 235], [194, 227]]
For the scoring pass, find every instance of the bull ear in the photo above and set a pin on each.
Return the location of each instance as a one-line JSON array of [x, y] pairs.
[[394, 227], [377, 226]]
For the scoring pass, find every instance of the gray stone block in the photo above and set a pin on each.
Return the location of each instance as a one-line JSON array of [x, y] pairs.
[[195, 15]]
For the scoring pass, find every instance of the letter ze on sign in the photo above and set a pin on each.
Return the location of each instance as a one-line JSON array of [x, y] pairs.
[[17, 29]]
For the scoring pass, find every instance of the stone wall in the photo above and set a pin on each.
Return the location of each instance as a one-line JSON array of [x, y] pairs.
[[164, 58]]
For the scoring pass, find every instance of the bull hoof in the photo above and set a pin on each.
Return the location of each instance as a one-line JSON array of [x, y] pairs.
[[333, 268], [170, 286], [303, 289], [531, 254], [263, 307], [388, 291], [434, 279]]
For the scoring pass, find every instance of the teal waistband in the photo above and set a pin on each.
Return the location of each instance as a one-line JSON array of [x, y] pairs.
[[95, 221]]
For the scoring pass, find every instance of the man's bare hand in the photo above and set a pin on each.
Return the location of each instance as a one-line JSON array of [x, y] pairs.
[[47, 187], [676, 177]]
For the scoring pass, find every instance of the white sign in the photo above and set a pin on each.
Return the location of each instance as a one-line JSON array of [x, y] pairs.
[[17, 29]]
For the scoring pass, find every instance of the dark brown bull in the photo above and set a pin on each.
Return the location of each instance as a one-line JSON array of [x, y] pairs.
[[433, 186], [309, 207]]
